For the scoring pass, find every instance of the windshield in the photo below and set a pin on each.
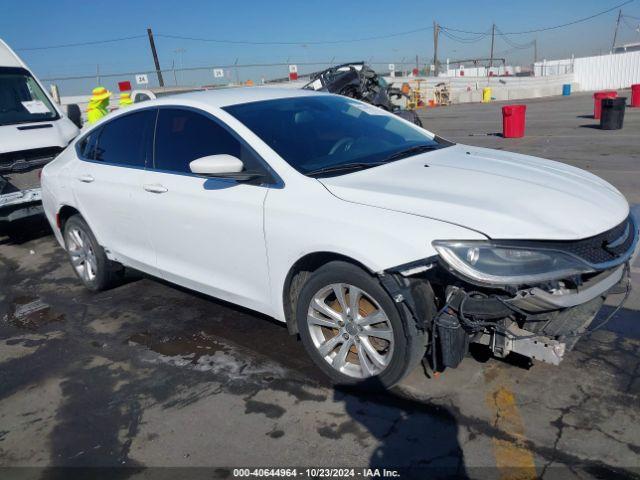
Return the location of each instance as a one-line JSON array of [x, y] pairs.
[[325, 131], [21, 98]]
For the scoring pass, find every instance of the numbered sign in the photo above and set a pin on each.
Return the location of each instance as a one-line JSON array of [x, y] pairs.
[[218, 73], [392, 67], [142, 79]]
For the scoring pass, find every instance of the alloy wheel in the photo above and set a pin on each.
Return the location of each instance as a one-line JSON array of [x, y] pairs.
[[81, 254], [350, 330]]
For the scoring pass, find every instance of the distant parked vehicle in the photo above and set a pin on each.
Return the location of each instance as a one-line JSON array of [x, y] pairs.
[[144, 94], [371, 237], [33, 131]]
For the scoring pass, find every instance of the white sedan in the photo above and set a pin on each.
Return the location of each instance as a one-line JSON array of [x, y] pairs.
[[374, 240]]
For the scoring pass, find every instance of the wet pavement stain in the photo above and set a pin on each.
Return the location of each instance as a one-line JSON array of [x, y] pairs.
[[270, 410], [276, 434], [31, 313], [193, 345]]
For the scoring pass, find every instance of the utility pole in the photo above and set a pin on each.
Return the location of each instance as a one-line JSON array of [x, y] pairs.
[[615, 33], [436, 34], [155, 57], [493, 38], [535, 50]]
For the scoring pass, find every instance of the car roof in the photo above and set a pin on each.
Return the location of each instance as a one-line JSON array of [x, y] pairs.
[[168, 89], [234, 96]]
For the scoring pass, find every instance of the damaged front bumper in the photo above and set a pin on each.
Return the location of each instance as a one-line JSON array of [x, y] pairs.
[[540, 321], [538, 324], [20, 204]]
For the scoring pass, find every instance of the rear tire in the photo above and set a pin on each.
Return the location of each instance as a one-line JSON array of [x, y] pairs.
[[88, 259], [371, 347]]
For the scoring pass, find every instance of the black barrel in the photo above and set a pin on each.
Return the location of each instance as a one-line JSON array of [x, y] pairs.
[[612, 116]]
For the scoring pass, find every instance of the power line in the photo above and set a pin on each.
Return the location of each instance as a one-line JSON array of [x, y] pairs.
[[513, 44], [299, 42], [445, 30], [460, 39], [81, 44], [580, 20]]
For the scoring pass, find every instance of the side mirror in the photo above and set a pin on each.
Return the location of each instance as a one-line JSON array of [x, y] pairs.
[[224, 166], [217, 165], [74, 114]]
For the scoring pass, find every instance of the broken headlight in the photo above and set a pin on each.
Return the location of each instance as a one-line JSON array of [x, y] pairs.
[[508, 265]]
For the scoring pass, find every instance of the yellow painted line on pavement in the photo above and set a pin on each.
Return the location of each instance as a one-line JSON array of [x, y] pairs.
[[513, 459]]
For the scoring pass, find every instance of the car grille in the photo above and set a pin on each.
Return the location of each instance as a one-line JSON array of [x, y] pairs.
[[601, 251], [25, 160], [605, 247]]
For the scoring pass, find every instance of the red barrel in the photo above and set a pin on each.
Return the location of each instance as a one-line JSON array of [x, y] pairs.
[[597, 101], [635, 95], [513, 121]]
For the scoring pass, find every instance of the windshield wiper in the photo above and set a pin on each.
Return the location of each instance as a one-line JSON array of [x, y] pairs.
[[407, 152], [345, 167]]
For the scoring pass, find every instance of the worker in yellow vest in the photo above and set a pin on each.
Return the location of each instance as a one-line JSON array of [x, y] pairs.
[[125, 100], [98, 104]]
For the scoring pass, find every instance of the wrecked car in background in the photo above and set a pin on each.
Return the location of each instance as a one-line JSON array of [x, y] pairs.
[[358, 80]]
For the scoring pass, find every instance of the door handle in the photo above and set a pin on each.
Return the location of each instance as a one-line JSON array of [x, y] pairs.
[[86, 178], [155, 188]]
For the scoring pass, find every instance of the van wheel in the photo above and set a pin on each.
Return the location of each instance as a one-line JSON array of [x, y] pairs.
[[87, 257], [352, 329]]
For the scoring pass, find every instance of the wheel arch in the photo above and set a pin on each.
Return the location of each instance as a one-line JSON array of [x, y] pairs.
[[64, 213], [298, 274]]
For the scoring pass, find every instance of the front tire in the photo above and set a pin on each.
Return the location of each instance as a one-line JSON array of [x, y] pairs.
[[352, 329], [87, 257]]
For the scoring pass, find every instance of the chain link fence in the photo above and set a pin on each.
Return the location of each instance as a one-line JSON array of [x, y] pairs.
[[205, 76]]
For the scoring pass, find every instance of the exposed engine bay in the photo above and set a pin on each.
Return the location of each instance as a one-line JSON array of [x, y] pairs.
[[541, 321]]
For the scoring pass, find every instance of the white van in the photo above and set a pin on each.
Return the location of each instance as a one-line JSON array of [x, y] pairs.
[[33, 131]]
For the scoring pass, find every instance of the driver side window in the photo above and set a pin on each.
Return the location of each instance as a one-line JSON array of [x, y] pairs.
[[184, 135]]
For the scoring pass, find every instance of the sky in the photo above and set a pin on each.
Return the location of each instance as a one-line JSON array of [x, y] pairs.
[[28, 24]]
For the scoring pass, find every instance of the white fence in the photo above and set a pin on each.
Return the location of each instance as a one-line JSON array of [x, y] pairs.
[[618, 70]]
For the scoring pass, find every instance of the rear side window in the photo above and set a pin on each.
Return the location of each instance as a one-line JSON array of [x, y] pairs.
[[87, 147], [127, 140], [184, 135]]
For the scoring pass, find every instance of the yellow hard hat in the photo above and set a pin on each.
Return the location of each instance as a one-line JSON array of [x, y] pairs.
[[125, 95], [100, 93]]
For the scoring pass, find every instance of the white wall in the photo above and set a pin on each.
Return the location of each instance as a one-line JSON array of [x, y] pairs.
[[619, 70]]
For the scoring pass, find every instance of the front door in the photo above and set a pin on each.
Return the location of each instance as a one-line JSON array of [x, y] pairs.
[[207, 233]]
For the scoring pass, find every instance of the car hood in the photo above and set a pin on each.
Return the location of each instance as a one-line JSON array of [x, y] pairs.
[[500, 194], [27, 136]]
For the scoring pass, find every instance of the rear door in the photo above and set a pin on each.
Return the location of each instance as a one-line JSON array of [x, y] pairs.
[[207, 232], [107, 183]]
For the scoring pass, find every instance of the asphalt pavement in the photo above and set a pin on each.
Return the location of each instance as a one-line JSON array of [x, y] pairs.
[[151, 375]]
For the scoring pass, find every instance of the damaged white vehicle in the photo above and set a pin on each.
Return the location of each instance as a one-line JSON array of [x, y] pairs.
[[373, 239]]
